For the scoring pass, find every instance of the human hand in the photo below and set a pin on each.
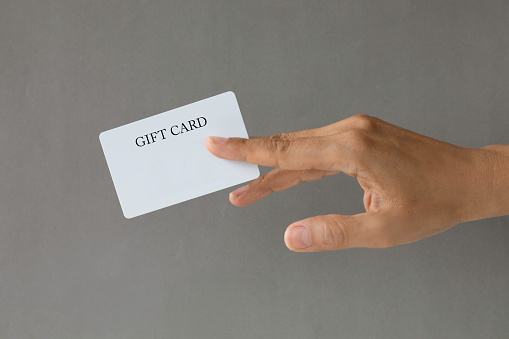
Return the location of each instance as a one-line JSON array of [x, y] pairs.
[[414, 186]]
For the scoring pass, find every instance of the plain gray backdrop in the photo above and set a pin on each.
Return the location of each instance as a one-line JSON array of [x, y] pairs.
[[71, 266]]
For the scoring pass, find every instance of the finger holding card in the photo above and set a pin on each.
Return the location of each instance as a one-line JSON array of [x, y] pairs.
[[329, 152]]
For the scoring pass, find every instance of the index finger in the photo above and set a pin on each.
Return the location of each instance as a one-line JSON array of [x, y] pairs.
[[324, 153]]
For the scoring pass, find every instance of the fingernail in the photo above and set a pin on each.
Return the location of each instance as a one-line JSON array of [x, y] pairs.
[[239, 191], [217, 140], [299, 237]]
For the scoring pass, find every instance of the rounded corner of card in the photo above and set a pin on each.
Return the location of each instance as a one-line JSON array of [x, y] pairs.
[[102, 136], [256, 172], [231, 93], [127, 215]]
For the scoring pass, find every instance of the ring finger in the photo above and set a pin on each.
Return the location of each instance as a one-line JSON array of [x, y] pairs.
[[275, 181]]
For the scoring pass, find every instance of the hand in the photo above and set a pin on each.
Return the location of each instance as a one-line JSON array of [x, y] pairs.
[[414, 186]]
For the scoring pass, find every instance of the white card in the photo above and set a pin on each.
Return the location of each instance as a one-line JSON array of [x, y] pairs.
[[162, 160]]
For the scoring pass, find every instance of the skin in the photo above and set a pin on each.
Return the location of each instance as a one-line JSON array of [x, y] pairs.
[[414, 186]]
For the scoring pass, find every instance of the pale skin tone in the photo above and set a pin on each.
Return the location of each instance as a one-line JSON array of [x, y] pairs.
[[414, 186]]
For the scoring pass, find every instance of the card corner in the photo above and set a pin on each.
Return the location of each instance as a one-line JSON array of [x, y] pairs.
[[101, 136], [128, 216], [258, 173], [231, 93]]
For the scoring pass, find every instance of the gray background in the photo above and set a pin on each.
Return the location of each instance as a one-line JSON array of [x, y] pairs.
[[71, 266]]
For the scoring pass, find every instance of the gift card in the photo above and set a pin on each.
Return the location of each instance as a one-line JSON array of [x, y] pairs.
[[162, 160]]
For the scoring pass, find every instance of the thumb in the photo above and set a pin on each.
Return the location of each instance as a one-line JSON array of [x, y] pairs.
[[334, 232]]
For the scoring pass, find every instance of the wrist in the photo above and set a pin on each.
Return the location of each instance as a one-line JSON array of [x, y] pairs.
[[490, 182]]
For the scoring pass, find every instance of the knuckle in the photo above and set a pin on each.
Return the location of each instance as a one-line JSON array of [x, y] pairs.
[[279, 147], [264, 183], [365, 122], [239, 143], [334, 233], [359, 140], [286, 136], [260, 181], [269, 182]]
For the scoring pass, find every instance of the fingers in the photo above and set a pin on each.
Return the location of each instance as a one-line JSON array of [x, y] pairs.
[[324, 153], [333, 232], [274, 181]]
